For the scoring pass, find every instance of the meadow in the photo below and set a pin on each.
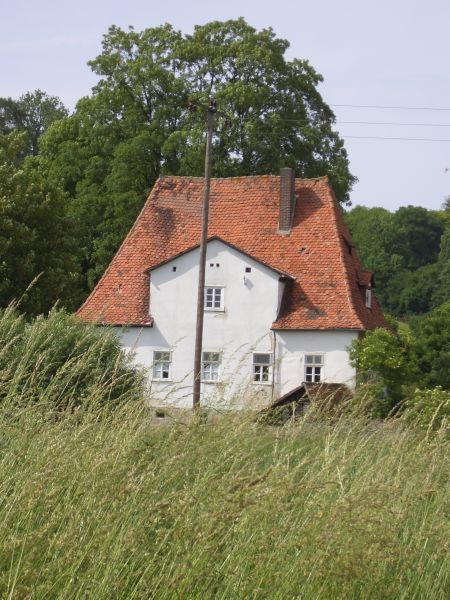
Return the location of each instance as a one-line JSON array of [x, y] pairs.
[[109, 503]]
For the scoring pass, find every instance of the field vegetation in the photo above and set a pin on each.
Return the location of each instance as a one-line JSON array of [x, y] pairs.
[[97, 500]]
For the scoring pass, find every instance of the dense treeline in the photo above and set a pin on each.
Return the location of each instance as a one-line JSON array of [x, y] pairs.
[[85, 176], [409, 251]]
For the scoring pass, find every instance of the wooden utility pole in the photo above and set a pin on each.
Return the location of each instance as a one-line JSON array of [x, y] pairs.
[[211, 111]]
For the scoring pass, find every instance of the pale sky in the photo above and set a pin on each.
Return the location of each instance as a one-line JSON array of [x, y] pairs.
[[383, 53]]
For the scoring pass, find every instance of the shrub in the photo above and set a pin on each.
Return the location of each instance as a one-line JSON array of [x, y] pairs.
[[381, 360], [429, 409], [62, 362]]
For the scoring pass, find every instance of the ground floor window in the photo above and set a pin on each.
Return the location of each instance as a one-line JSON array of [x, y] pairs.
[[313, 368], [161, 364], [210, 366], [262, 367]]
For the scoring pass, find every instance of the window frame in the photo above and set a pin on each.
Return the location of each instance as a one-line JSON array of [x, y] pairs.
[[368, 297], [160, 361], [314, 365], [259, 366], [214, 287], [217, 362]]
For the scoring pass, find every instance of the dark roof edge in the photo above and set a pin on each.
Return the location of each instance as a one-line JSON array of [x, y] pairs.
[[216, 237]]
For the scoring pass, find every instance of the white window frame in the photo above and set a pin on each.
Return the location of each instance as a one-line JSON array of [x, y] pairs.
[[213, 308], [262, 371], [317, 367], [159, 363], [368, 298], [211, 368]]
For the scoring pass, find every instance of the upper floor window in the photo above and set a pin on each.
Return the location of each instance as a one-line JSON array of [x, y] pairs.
[[210, 366], [368, 298], [313, 368], [214, 298], [262, 367], [161, 365]]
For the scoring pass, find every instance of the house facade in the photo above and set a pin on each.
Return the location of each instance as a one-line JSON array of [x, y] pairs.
[[285, 293]]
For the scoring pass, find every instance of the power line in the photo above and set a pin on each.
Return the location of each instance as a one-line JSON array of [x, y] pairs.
[[392, 123], [391, 107], [374, 137]]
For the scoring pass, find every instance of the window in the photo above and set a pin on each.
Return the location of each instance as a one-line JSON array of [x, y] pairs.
[[214, 298], [161, 365], [313, 368], [210, 366], [368, 298], [262, 367]]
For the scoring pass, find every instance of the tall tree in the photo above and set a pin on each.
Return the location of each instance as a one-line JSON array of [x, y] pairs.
[[417, 235], [136, 124], [37, 238], [32, 113]]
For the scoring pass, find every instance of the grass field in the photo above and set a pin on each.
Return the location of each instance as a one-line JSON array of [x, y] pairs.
[[107, 506]]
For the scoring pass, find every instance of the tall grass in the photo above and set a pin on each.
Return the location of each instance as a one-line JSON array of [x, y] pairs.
[[107, 504], [116, 507]]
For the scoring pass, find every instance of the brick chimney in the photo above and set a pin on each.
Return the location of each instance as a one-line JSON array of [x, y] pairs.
[[287, 200]]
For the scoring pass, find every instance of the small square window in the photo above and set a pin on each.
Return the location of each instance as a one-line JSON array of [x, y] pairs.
[[161, 365], [214, 298], [248, 269], [262, 367], [313, 368], [210, 366], [174, 269]]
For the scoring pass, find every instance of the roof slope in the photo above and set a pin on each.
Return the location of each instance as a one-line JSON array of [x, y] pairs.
[[244, 212]]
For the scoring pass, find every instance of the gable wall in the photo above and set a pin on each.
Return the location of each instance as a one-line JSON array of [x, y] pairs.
[[251, 305]]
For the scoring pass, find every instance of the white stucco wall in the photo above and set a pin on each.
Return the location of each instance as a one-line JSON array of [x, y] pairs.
[[291, 347], [251, 305]]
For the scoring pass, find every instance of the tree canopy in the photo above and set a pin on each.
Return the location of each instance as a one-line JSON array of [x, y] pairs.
[[32, 113], [37, 237], [136, 124], [408, 251]]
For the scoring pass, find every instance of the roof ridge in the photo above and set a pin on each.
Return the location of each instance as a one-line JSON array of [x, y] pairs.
[[235, 177]]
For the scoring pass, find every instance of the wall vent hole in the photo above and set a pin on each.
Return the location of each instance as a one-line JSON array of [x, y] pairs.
[[174, 269], [248, 269]]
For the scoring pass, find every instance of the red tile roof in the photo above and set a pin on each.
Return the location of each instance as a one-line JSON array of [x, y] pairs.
[[327, 292]]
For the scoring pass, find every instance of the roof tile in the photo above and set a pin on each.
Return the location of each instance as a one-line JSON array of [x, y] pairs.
[[328, 292]]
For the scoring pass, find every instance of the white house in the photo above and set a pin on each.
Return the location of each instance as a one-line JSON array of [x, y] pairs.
[[284, 297]]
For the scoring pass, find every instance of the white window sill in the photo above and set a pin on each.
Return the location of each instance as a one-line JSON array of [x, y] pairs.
[[261, 382], [162, 380], [215, 310], [209, 381]]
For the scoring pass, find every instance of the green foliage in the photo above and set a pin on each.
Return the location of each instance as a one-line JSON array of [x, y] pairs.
[[408, 252], [59, 363], [431, 349], [136, 124], [442, 289], [412, 292], [429, 409], [417, 234], [382, 359], [32, 113], [37, 237], [120, 508]]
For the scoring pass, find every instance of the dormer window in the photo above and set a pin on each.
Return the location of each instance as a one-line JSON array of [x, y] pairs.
[[368, 298], [214, 298]]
